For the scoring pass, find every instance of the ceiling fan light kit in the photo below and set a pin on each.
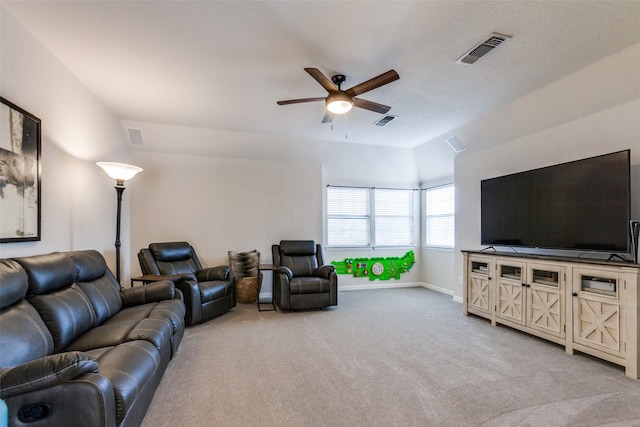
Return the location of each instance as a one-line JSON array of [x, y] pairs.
[[339, 103]]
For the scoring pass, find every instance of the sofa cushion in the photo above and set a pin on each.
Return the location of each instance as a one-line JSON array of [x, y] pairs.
[[89, 265], [129, 367], [104, 296], [172, 310], [48, 272], [107, 335], [14, 283], [68, 313], [23, 335]]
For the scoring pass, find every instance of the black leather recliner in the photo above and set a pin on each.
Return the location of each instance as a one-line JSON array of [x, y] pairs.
[[302, 281], [208, 292]]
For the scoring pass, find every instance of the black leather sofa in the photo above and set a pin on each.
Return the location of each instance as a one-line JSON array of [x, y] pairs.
[[208, 292], [75, 348]]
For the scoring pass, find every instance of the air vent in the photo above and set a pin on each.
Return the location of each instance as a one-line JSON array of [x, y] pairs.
[[455, 144], [481, 49], [135, 136], [384, 120]]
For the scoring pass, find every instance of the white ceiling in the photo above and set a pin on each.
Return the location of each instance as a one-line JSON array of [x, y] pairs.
[[223, 65]]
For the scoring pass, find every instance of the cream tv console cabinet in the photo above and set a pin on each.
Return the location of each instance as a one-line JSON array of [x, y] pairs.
[[585, 305]]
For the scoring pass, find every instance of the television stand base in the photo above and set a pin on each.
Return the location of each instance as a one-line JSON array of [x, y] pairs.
[[614, 256]]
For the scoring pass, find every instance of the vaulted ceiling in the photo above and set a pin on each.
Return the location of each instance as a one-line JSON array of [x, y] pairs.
[[224, 64]]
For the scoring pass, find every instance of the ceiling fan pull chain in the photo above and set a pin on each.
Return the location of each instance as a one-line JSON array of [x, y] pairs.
[[346, 127]]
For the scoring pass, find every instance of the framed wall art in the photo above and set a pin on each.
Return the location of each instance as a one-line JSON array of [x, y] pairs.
[[19, 174]]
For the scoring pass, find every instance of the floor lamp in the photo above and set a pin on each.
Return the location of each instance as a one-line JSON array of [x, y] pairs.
[[120, 172]]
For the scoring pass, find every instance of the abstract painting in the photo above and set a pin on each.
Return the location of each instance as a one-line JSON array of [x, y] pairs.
[[19, 174]]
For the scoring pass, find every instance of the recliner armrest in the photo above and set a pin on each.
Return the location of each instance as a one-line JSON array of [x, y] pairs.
[[324, 271], [285, 270], [220, 272], [45, 372], [153, 292]]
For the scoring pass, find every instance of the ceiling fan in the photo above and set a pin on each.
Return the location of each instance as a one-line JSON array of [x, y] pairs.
[[340, 101]]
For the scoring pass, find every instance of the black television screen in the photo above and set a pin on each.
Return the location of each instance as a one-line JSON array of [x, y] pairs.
[[581, 205]]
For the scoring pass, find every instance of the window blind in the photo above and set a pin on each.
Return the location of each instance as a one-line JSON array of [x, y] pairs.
[[440, 216], [394, 217], [348, 216]]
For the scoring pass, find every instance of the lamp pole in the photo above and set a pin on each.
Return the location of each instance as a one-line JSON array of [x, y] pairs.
[[119, 191]]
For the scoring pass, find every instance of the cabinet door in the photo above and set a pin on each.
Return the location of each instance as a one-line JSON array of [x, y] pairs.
[[597, 310], [510, 292], [479, 289], [545, 299]]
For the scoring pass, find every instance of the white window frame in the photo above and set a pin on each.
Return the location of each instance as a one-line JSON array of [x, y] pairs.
[[440, 215], [387, 215]]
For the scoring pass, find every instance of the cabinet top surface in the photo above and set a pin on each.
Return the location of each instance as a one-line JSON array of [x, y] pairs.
[[613, 263]]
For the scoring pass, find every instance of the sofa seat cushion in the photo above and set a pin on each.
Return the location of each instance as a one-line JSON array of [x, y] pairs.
[[157, 328], [129, 367], [137, 312], [107, 335], [213, 290], [172, 310], [309, 285]]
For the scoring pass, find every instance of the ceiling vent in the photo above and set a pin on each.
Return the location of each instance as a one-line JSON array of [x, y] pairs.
[[135, 136], [455, 144], [384, 120], [481, 49]]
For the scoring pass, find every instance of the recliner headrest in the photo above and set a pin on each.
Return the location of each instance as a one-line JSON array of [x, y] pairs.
[[90, 265], [48, 272], [14, 283], [298, 247], [171, 251]]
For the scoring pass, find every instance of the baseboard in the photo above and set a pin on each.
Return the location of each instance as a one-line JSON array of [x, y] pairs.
[[380, 285], [265, 297], [383, 285]]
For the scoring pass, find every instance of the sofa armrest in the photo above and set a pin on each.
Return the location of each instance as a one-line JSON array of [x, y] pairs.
[[45, 372], [153, 292], [324, 271], [220, 272]]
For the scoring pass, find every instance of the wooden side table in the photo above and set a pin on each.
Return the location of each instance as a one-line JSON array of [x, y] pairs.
[[148, 278], [273, 269]]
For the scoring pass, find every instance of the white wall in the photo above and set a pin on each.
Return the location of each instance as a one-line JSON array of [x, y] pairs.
[[78, 200], [248, 191], [223, 204]]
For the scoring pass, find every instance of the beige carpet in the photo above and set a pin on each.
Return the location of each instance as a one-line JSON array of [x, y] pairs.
[[390, 357]]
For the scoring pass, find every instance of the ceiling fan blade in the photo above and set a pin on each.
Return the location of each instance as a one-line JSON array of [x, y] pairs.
[[298, 101], [328, 117], [324, 81], [370, 105], [373, 83]]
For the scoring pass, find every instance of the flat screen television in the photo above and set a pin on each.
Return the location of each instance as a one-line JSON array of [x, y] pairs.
[[581, 205]]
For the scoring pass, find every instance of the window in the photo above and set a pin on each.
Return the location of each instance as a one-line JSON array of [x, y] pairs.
[[360, 216], [394, 217], [440, 216]]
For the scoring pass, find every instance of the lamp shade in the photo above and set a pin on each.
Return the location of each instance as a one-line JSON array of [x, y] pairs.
[[339, 103], [119, 171]]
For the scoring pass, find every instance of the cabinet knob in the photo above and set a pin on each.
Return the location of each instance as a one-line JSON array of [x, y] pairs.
[[575, 294]]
